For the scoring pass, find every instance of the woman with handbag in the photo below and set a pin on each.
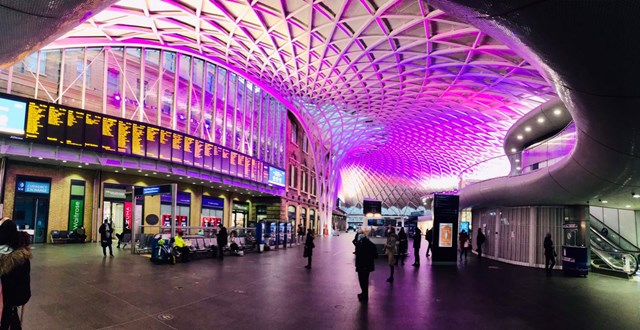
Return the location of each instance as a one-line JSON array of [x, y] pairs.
[[15, 272]]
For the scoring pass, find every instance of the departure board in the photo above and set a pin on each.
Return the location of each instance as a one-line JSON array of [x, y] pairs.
[[56, 123], [124, 136], [138, 140], [208, 156], [166, 139], [75, 128], [36, 120], [177, 146], [224, 167], [198, 153], [187, 156], [233, 163], [217, 158], [153, 144], [92, 127], [265, 172], [257, 171], [247, 167], [109, 134], [240, 166]]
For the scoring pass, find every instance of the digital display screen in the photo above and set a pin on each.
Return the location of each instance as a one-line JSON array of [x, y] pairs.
[[138, 140], [56, 124], [75, 128], [187, 157], [217, 158], [12, 116], [247, 168], [36, 121], [446, 235], [198, 153], [177, 148], [153, 145], [224, 168], [166, 139], [240, 166], [109, 134], [276, 176], [233, 163], [207, 154], [124, 136], [92, 126]]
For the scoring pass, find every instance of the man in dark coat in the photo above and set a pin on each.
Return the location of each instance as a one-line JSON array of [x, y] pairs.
[[428, 236], [417, 239], [365, 253], [479, 241], [106, 231], [222, 239], [308, 248]]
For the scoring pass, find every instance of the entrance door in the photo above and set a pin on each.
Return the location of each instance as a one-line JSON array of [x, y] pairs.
[[32, 212], [239, 219], [117, 217]]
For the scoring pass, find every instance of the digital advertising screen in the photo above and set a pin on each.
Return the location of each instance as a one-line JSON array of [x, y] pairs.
[[153, 146], [56, 124], [446, 235], [92, 128], [276, 176], [12, 116], [36, 121], [75, 128]]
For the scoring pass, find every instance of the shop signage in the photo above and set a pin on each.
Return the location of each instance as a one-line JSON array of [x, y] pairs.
[[183, 198], [153, 190], [33, 187], [241, 206], [128, 213], [212, 202], [76, 214], [114, 193]]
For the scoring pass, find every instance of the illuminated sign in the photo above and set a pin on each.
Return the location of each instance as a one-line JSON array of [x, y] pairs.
[[12, 116], [33, 187], [276, 176], [446, 235]]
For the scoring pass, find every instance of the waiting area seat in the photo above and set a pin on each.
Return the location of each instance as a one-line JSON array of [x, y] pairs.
[[60, 236]]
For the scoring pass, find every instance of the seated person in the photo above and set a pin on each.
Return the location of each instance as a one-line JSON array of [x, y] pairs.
[[181, 246], [80, 234], [126, 230]]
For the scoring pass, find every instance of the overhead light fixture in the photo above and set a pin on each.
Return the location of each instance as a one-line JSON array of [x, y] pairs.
[[605, 202], [519, 137], [557, 112], [80, 166], [514, 149], [64, 161], [518, 168], [146, 174], [540, 120], [139, 171], [527, 129], [40, 158], [627, 206], [117, 171], [155, 172], [635, 195], [517, 160]]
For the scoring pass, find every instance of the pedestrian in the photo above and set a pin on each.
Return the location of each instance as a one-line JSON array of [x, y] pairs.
[[463, 239], [222, 238], [391, 249], [403, 246], [106, 231], [180, 245], [365, 253], [428, 236], [549, 254], [300, 233], [308, 248], [15, 273], [120, 237], [479, 241], [417, 239]]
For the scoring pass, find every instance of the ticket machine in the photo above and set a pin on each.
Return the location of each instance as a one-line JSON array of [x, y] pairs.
[[260, 231], [281, 234]]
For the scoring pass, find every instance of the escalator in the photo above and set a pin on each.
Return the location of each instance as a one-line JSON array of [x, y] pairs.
[[610, 253]]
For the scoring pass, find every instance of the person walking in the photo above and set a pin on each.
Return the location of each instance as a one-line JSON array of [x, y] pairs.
[[365, 253], [403, 246], [549, 254], [479, 241], [106, 231], [308, 248], [417, 239], [463, 238], [300, 233], [223, 239], [391, 249], [428, 236], [15, 273], [125, 231]]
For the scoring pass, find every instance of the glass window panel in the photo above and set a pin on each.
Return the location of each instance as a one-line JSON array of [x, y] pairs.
[[210, 84], [49, 75], [73, 77], [24, 76], [168, 85], [132, 86], [239, 120], [115, 67], [95, 79], [221, 88], [229, 111], [151, 75], [184, 67], [196, 97], [4, 79]]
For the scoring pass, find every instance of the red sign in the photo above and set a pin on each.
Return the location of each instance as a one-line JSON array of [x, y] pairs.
[[210, 221], [128, 213]]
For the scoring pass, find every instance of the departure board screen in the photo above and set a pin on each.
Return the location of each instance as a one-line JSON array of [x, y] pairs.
[[233, 163], [240, 166], [109, 134], [208, 156], [265, 173], [92, 127], [138, 140], [177, 146], [75, 128], [152, 145], [217, 158], [224, 167], [187, 157], [247, 168], [197, 153], [56, 124], [257, 171], [36, 120], [166, 139], [124, 136]]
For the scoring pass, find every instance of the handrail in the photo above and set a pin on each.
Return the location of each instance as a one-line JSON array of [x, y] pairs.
[[600, 222], [605, 256]]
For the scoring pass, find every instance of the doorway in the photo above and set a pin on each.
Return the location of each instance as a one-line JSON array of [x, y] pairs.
[[31, 212]]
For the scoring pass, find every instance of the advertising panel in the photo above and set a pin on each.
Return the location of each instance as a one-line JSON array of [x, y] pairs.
[[12, 116], [446, 235], [76, 214]]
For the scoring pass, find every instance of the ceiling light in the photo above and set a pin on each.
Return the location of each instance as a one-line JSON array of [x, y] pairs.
[[124, 169], [146, 174], [605, 202], [155, 172], [527, 129], [117, 171], [180, 178], [627, 206], [635, 195], [64, 161], [80, 166], [557, 112], [518, 168], [514, 149], [139, 171], [517, 160], [519, 137], [540, 120], [86, 164], [40, 158]]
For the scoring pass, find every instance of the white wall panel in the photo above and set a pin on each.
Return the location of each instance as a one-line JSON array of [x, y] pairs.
[[611, 219], [627, 221]]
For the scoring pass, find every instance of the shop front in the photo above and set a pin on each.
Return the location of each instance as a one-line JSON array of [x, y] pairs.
[[31, 206], [240, 214], [212, 213]]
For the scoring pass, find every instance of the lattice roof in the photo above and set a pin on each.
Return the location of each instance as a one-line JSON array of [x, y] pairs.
[[397, 89]]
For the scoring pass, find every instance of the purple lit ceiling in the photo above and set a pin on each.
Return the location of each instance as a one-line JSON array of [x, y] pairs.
[[403, 94]]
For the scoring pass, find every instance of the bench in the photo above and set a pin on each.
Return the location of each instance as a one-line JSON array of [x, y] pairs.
[[199, 245], [60, 236]]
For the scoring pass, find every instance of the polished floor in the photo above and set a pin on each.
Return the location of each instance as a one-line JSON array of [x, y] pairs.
[[74, 287]]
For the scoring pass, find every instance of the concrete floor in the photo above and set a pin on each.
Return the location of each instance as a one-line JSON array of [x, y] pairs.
[[74, 287]]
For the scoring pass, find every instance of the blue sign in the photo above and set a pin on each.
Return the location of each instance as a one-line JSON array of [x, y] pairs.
[[151, 190], [12, 116], [276, 176], [212, 202], [183, 198], [33, 187], [464, 225]]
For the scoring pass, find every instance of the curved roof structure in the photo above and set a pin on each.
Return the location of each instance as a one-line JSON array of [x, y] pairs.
[[395, 90]]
